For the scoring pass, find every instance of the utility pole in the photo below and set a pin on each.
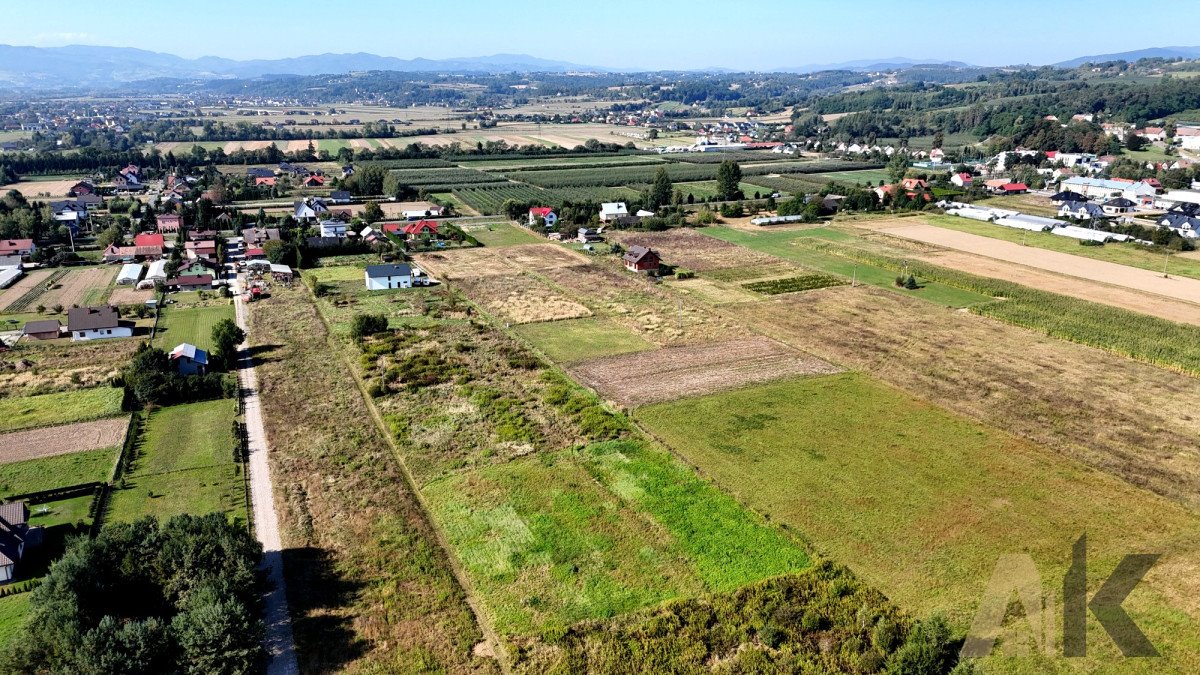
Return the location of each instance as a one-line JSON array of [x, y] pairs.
[[1166, 259]]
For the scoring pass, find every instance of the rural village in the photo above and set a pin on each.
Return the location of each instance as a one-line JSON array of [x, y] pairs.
[[583, 373]]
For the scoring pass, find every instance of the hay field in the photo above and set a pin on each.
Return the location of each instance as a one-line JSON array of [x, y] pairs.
[[523, 299], [675, 372]]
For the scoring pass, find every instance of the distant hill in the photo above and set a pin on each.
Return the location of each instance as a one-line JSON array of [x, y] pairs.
[[86, 66], [874, 65], [1152, 53]]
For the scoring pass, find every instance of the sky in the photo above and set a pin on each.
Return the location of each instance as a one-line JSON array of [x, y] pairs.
[[621, 34]]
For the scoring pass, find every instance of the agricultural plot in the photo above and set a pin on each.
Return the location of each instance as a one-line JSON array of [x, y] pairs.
[[582, 339], [792, 184], [29, 412], [191, 324], [675, 372], [908, 495], [32, 280], [499, 235], [523, 299], [691, 250], [80, 286], [592, 160], [871, 176], [62, 440], [707, 189], [30, 369], [49, 473], [33, 292], [808, 282], [489, 199], [450, 176], [561, 178], [185, 463]]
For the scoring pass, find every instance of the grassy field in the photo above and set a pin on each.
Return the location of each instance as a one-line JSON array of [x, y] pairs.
[[62, 512], [872, 176], [28, 412], [190, 324], [185, 464], [1026, 203], [1123, 254], [47, 473], [13, 610], [581, 339], [503, 234], [922, 503], [783, 244], [338, 273], [707, 189]]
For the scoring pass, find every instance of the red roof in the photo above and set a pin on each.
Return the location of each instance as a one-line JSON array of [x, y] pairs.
[[541, 211], [255, 251], [966, 177], [10, 246], [1051, 154], [149, 240], [1013, 187], [421, 227], [391, 228]]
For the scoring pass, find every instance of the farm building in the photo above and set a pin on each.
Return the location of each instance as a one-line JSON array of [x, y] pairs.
[[281, 273], [1100, 188], [984, 215], [15, 537], [96, 323], [191, 282], [612, 211], [48, 329], [148, 239], [189, 359], [1084, 234], [418, 210], [1026, 222], [261, 265], [386, 277], [545, 213], [157, 271], [641, 259], [130, 274], [9, 276]]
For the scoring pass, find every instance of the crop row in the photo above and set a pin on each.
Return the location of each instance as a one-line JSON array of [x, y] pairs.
[[29, 297], [415, 163], [489, 199], [450, 176], [808, 282]]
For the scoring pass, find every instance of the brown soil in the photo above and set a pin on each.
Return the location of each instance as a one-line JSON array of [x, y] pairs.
[[675, 372], [523, 299], [691, 250], [23, 285], [73, 288], [1130, 419], [62, 440], [128, 295]]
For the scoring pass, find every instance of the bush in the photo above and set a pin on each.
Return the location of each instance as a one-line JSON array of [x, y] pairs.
[[366, 325]]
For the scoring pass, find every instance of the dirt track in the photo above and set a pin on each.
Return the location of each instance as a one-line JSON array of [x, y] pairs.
[[676, 372], [1096, 271], [62, 440]]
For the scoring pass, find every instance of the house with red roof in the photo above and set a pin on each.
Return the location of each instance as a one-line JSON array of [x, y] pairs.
[[963, 180], [1012, 189], [914, 184], [268, 181], [313, 180], [420, 228], [17, 247], [545, 213], [148, 239]]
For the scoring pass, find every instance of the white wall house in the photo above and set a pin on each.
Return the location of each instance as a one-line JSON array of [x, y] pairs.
[[612, 210], [333, 229], [386, 277], [96, 323]]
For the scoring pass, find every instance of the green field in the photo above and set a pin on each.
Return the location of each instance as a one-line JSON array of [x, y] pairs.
[[62, 512], [13, 610], [80, 405], [921, 502], [503, 234], [190, 324], [1122, 254], [185, 464], [562, 538], [48, 473], [581, 339], [783, 244], [339, 273], [872, 176], [707, 189]]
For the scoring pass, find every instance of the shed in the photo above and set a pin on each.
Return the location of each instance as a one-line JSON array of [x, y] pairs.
[[48, 329]]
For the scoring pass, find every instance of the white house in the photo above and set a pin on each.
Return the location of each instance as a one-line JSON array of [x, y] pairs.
[[189, 359], [386, 277], [96, 323], [333, 229], [962, 180], [1189, 137], [613, 210], [545, 213]]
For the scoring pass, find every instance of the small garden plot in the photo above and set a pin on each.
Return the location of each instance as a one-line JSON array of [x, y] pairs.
[[190, 324], [79, 286], [49, 473], [35, 279], [464, 264], [28, 412], [33, 369], [711, 292], [688, 249], [184, 464], [676, 372], [523, 299], [338, 273], [62, 440], [753, 272], [540, 257], [498, 235], [582, 339], [33, 293], [808, 282]]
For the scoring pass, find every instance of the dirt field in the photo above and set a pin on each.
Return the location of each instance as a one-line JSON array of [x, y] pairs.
[[62, 440], [486, 262], [523, 299], [694, 251], [712, 292], [1132, 278], [41, 188], [73, 288], [675, 372], [1132, 420], [37, 369], [128, 295], [24, 284]]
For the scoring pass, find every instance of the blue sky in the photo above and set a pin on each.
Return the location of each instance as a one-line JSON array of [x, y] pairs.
[[650, 34]]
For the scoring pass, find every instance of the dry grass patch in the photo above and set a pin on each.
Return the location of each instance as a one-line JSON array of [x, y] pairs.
[[523, 299], [689, 249], [712, 292], [540, 257], [128, 295], [675, 372], [23, 285], [40, 369], [1127, 418], [77, 286], [467, 263], [62, 440]]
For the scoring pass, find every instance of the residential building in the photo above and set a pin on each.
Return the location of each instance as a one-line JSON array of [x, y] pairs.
[[545, 213], [335, 229], [641, 259], [15, 538], [1081, 210], [19, 247], [963, 180], [386, 277], [169, 223], [189, 359], [612, 211], [191, 282], [96, 323]]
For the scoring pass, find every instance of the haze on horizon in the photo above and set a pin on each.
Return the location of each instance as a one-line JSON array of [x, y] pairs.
[[619, 34]]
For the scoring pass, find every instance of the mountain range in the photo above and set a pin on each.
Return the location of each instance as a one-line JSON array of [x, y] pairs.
[[107, 67]]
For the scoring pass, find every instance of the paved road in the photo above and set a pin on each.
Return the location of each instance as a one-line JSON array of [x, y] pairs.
[[280, 645]]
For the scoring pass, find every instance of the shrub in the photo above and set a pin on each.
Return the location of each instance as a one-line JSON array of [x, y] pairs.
[[365, 325]]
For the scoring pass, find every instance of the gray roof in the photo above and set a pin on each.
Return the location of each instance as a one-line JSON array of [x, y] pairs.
[[190, 351], [379, 271], [45, 326], [92, 318], [13, 529], [636, 253]]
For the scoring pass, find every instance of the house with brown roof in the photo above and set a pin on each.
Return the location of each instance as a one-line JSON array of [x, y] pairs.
[[49, 329], [641, 259], [96, 323], [191, 282], [17, 247]]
